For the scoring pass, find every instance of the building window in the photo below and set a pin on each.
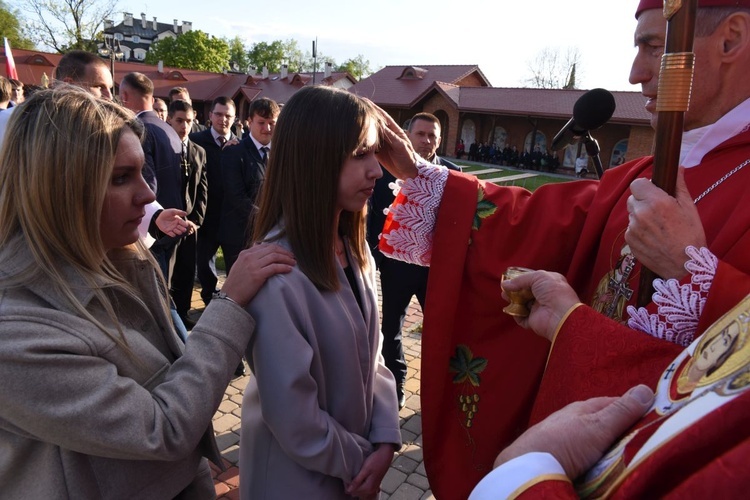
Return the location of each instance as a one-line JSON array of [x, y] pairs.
[[618, 153], [500, 140], [468, 133], [136, 39], [540, 143], [118, 36], [571, 153]]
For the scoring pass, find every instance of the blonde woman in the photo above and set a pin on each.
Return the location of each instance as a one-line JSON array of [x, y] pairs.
[[99, 397], [320, 417]]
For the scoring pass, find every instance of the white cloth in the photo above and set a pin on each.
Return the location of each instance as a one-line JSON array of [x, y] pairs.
[[699, 142], [512, 475]]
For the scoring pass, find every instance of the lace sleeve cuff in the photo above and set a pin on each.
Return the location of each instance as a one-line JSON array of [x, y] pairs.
[[679, 307], [410, 224]]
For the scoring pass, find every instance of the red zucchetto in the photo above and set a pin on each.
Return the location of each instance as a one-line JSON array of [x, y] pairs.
[[659, 4]]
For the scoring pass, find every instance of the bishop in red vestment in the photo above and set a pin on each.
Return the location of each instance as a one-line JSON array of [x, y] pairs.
[[693, 442], [480, 371]]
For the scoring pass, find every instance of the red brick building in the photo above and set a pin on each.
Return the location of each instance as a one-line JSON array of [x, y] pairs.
[[470, 109], [459, 95]]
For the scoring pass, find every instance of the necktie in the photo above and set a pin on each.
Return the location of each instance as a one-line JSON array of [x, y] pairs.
[[222, 140], [264, 152]]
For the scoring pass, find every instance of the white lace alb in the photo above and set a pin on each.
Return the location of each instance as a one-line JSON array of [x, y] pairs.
[[679, 307], [417, 215]]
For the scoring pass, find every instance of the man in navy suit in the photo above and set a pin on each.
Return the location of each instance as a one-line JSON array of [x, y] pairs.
[[195, 188], [163, 151], [400, 281], [243, 169], [213, 140]]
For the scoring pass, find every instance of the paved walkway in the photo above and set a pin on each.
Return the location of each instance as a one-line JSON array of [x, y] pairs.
[[405, 480]]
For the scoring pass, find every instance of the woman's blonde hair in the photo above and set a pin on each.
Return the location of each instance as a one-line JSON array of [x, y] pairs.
[[318, 129], [55, 167]]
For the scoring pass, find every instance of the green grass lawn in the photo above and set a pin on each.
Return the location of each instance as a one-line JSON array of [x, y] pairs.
[[530, 183]]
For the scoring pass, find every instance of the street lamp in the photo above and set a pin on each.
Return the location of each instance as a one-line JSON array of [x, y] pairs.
[[111, 50]]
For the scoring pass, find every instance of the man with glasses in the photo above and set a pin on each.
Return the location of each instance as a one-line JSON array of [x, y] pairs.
[[213, 140], [160, 108]]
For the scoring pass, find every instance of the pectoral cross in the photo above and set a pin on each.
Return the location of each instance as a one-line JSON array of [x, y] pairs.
[[620, 288]]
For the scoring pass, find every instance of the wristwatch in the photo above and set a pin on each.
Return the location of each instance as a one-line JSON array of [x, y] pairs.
[[221, 295]]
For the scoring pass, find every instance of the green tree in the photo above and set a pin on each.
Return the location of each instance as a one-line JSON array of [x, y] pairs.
[[293, 55], [193, 50], [270, 55], [65, 25], [308, 64], [10, 28], [273, 55], [359, 67], [571, 79], [238, 58]]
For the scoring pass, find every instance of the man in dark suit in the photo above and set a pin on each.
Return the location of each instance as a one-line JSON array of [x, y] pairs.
[[163, 151], [182, 94], [195, 188], [243, 168], [213, 140], [400, 281]]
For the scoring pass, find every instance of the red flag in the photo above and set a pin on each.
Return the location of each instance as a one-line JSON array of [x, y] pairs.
[[10, 64]]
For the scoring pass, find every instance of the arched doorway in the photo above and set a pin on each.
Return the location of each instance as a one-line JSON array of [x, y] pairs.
[[618, 153], [500, 139], [540, 142], [468, 132]]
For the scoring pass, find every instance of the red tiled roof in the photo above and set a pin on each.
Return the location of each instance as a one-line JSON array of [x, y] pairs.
[[203, 86], [552, 103], [389, 87]]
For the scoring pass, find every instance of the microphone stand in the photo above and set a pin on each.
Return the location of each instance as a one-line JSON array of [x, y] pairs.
[[592, 149]]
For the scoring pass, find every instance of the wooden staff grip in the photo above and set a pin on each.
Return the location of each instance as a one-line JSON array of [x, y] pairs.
[[675, 82]]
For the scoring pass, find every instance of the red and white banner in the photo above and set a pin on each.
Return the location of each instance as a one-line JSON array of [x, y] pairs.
[[10, 64]]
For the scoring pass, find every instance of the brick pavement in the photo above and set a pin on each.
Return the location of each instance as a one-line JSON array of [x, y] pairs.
[[405, 480]]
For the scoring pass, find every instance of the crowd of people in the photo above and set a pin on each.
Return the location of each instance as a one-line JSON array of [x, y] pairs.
[[510, 156], [105, 395]]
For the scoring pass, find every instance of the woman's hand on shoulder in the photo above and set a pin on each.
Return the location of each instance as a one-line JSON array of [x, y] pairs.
[[253, 267], [367, 482]]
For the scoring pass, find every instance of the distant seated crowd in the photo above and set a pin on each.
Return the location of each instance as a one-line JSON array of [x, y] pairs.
[[509, 156]]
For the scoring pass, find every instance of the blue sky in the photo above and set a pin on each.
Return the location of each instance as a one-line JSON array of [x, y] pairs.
[[500, 36]]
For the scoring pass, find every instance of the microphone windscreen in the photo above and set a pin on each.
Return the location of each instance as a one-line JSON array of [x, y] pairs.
[[593, 109]]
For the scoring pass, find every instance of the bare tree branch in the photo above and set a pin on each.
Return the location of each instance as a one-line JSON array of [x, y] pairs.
[[65, 25], [552, 67]]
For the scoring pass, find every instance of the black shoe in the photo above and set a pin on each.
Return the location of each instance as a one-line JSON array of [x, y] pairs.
[[401, 397], [240, 371], [189, 323]]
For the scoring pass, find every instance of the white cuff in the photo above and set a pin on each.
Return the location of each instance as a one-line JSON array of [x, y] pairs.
[[512, 475]]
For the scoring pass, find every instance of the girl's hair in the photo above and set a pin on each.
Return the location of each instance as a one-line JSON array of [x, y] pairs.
[[318, 129], [55, 167]]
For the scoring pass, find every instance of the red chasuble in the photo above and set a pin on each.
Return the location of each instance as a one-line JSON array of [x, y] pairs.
[[695, 441], [480, 371]]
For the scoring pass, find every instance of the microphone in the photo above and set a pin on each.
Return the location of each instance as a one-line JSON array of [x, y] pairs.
[[592, 110]]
